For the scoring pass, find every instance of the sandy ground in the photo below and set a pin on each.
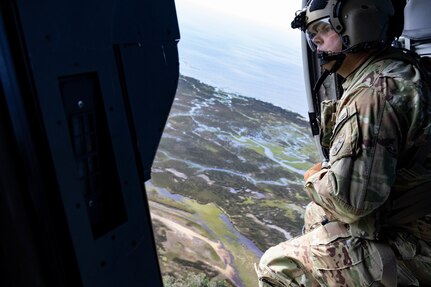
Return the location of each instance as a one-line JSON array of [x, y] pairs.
[[228, 270]]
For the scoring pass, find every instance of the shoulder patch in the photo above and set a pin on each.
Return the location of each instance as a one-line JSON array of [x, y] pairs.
[[338, 144]]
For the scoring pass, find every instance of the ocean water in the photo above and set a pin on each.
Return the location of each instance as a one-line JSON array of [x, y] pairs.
[[237, 54]]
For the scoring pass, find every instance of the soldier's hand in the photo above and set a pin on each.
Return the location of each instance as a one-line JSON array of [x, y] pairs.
[[316, 168]]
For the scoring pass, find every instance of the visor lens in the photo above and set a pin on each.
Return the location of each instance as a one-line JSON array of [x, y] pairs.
[[319, 28]]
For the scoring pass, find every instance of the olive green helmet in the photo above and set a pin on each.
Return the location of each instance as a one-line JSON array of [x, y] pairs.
[[361, 24]]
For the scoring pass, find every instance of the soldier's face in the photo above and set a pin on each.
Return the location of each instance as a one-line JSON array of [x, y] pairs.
[[322, 38], [328, 42]]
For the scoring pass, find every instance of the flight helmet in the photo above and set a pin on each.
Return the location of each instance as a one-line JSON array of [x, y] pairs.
[[361, 24]]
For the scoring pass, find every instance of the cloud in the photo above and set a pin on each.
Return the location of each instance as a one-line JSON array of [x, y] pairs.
[[275, 13]]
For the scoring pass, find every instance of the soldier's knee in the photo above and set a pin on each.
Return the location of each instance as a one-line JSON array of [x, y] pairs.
[[281, 266], [270, 278], [270, 255]]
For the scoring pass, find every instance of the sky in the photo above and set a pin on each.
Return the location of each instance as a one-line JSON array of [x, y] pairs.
[[271, 12], [245, 47], [275, 14]]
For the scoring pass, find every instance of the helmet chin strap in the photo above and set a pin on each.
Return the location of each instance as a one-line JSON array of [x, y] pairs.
[[339, 58], [325, 58]]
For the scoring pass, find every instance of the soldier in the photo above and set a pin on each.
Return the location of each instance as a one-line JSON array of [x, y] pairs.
[[369, 222]]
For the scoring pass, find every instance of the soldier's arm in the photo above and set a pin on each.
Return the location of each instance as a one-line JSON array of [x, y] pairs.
[[363, 155]]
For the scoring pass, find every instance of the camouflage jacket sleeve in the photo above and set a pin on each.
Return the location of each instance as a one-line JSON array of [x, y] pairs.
[[375, 120]]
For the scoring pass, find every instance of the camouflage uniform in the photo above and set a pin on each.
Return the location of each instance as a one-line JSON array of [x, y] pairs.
[[381, 117]]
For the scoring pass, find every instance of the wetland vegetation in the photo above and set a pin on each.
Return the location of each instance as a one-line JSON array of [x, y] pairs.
[[226, 183]]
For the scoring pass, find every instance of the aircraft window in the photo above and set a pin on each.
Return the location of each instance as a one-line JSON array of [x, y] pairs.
[[227, 178]]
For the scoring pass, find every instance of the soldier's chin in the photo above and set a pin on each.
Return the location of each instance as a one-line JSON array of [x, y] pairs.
[[327, 59]]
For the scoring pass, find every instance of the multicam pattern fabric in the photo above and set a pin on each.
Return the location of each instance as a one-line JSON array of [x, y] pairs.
[[380, 118], [326, 256], [327, 120]]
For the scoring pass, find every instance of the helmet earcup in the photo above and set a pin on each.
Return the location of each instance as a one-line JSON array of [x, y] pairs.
[[366, 23]]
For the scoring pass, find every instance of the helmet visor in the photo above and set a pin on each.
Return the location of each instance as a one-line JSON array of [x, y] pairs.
[[318, 30]]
